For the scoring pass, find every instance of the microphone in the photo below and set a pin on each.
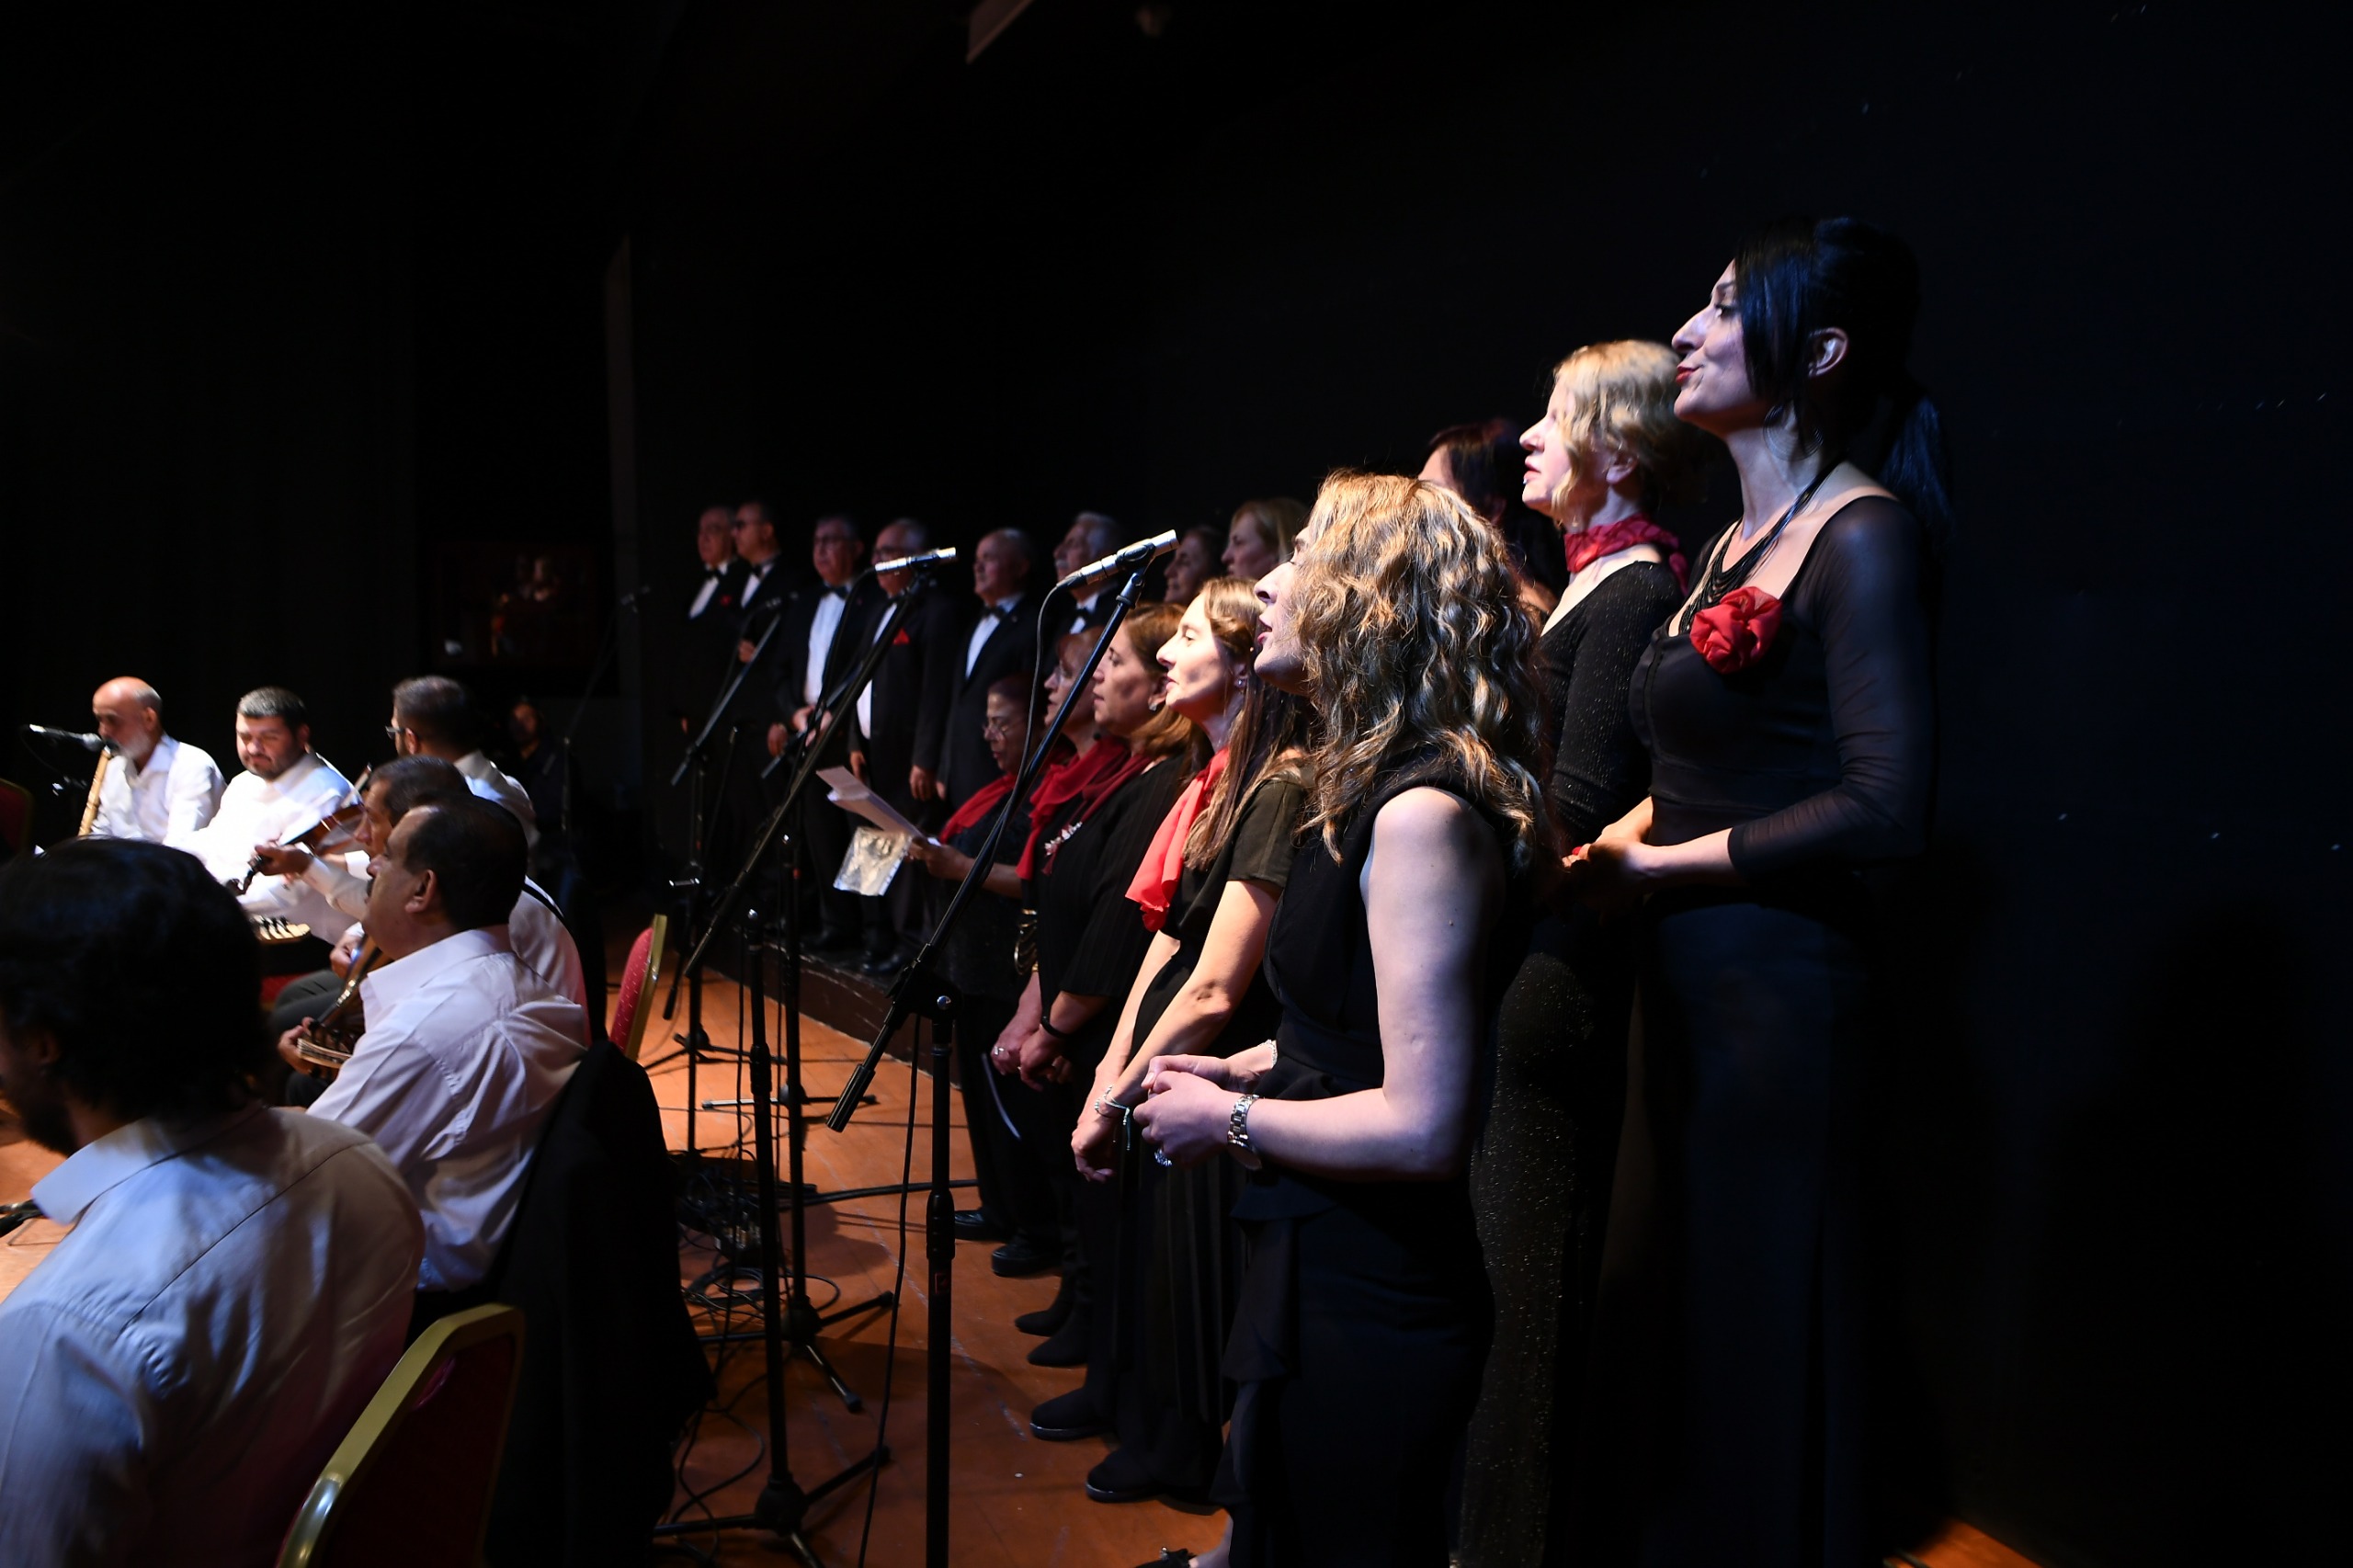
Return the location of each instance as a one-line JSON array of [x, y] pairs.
[[86, 741], [920, 558], [1121, 560]]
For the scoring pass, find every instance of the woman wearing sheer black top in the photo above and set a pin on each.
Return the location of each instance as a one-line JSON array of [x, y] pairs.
[[1787, 712]]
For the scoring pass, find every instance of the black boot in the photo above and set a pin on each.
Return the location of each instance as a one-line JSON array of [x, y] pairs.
[[1066, 1347], [1050, 1316]]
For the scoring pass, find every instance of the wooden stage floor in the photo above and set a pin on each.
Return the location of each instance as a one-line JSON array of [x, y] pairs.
[[1015, 1500]]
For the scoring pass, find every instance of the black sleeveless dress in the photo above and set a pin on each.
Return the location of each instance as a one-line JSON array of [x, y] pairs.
[[1364, 1314], [1541, 1170], [1729, 1331]]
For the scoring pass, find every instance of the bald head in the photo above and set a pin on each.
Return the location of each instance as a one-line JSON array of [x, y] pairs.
[[130, 715]]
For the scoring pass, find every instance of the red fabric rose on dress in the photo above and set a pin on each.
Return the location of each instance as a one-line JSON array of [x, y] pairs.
[[1734, 632]]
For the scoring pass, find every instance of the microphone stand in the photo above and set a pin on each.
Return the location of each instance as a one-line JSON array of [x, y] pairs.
[[790, 1327], [923, 990]]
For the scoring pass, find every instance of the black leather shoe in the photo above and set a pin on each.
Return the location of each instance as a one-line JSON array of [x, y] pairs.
[[972, 1225], [1050, 1317], [1021, 1257], [1066, 1418], [1066, 1347], [889, 962], [1119, 1479]]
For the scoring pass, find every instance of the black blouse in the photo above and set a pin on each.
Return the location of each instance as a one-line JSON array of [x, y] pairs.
[[1819, 755], [1599, 769], [1259, 850], [980, 950], [1091, 940]]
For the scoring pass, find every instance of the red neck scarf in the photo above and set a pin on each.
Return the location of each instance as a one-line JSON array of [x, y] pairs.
[[1154, 887], [1590, 546], [1086, 778], [991, 795]]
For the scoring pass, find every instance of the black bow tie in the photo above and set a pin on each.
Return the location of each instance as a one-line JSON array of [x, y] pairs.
[[713, 573], [832, 593], [998, 612]]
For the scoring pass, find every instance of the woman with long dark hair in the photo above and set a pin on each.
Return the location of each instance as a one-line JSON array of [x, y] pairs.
[[1085, 842], [1357, 1348], [1607, 451], [1209, 887], [1787, 711]]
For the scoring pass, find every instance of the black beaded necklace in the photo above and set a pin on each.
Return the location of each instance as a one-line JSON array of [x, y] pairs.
[[1723, 578]]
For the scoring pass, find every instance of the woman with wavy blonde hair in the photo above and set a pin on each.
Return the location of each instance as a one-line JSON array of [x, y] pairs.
[[1363, 1322]]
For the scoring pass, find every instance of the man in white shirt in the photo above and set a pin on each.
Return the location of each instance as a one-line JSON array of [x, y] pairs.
[[156, 788], [286, 787], [431, 717], [466, 1049], [237, 1280], [1090, 538], [537, 932], [1001, 643]]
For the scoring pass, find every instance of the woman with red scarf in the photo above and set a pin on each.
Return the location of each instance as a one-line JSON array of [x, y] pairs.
[[1090, 826], [1606, 452]]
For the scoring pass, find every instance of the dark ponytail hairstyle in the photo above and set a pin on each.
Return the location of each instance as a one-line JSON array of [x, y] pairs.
[[1797, 277]]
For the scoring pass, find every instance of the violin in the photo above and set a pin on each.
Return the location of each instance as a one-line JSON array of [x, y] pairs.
[[330, 829]]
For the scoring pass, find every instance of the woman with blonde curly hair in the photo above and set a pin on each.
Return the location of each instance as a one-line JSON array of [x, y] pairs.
[[1357, 1348]]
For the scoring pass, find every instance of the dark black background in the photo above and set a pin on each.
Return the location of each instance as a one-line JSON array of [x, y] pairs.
[[287, 300]]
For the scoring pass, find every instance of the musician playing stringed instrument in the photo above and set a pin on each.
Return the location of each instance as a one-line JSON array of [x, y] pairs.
[[286, 787]]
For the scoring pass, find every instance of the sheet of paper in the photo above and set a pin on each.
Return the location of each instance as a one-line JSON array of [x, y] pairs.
[[847, 791]]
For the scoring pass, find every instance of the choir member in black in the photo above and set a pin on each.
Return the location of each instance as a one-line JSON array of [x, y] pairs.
[[1001, 640], [1357, 1346], [1090, 537], [706, 635], [1787, 707], [1606, 451], [899, 716], [1480, 463], [818, 642], [979, 958], [1208, 886], [1084, 853]]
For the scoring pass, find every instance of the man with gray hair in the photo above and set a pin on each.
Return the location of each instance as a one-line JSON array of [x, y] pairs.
[[1090, 537], [156, 788]]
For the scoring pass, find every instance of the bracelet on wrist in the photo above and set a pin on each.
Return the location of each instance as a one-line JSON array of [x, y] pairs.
[[1238, 1124], [1107, 1105], [1046, 1022]]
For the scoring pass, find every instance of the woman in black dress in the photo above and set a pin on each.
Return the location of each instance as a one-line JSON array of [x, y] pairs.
[[1787, 708], [1084, 852], [1606, 452], [1357, 1348], [1209, 887]]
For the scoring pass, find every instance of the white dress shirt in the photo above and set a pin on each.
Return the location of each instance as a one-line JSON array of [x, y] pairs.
[[711, 577], [822, 624], [484, 778], [1083, 616], [255, 810], [176, 794], [175, 1374], [753, 583], [1001, 610], [865, 694], [540, 940], [465, 1052]]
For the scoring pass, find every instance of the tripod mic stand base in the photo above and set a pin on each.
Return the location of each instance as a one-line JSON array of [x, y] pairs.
[[781, 1508]]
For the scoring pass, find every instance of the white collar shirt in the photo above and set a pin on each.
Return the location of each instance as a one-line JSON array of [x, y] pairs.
[[1001, 610], [253, 810], [176, 794], [823, 622], [1083, 611], [711, 577], [866, 697], [175, 1374], [753, 583], [465, 1052], [484, 778]]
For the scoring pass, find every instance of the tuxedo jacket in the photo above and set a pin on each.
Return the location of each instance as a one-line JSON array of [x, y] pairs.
[[703, 646], [912, 686], [787, 657], [1011, 648]]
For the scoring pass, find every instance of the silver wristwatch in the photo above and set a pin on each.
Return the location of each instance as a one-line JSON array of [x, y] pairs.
[[1238, 1124]]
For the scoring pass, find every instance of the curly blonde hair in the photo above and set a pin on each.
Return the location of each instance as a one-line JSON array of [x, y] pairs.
[[1621, 398], [1413, 640]]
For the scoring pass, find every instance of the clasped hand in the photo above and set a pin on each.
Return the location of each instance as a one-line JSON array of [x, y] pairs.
[[1188, 1101]]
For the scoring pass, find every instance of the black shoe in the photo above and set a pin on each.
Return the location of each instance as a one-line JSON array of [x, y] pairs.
[[1048, 1318], [1119, 1479], [1021, 1257], [889, 962], [835, 942], [973, 1225], [1066, 1417], [1067, 1346]]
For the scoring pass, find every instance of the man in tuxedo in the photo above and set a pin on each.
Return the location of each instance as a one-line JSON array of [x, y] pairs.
[[1090, 537], [818, 640], [709, 618], [896, 744], [1001, 642]]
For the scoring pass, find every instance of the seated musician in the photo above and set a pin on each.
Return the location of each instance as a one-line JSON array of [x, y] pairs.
[[466, 1049], [159, 789], [285, 787], [537, 932], [431, 717], [237, 1280]]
